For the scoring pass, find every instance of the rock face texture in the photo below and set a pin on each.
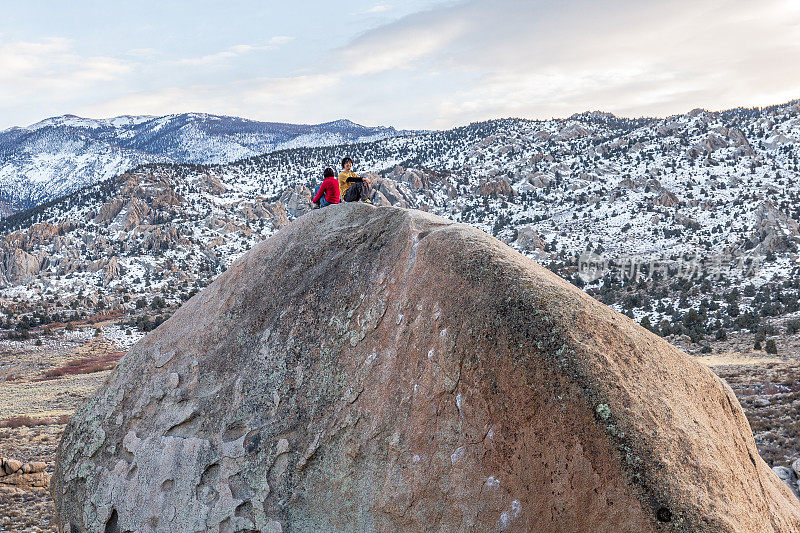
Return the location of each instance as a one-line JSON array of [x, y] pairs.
[[378, 369]]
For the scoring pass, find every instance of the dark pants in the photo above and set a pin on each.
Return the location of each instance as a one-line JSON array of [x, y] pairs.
[[358, 191]]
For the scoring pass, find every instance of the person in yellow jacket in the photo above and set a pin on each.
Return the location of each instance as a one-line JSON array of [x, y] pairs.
[[352, 187]]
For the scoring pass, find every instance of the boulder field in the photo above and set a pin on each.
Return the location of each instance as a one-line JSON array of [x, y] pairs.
[[381, 369]]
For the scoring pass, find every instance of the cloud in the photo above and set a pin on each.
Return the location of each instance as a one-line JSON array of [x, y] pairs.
[[143, 52], [267, 99], [540, 59], [401, 45], [279, 40], [52, 66], [237, 50], [450, 65], [377, 8]]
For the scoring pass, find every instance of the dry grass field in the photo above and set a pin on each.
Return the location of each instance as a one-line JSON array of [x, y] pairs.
[[40, 388]]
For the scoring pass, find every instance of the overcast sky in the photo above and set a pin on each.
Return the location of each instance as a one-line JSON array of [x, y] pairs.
[[411, 64]]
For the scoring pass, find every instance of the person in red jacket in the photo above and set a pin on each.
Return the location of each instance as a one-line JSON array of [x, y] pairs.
[[328, 191]]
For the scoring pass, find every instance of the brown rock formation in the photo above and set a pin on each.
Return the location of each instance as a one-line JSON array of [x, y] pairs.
[[540, 180], [529, 239], [774, 230], [447, 384], [297, 200], [668, 199], [135, 211], [112, 270], [18, 266], [16, 476], [278, 215], [109, 210], [497, 186], [393, 194]]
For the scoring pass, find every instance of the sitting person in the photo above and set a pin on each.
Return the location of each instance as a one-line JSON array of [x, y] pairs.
[[353, 188], [328, 191]]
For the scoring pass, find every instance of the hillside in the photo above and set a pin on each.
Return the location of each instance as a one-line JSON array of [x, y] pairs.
[[692, 219], [61, 154]]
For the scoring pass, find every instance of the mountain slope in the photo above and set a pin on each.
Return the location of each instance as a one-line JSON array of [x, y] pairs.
[[59, 155], [690, 221]]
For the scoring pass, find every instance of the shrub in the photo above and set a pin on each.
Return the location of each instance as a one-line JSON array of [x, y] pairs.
[[22, 420], [770, 347], [83, 365], [29, 421]]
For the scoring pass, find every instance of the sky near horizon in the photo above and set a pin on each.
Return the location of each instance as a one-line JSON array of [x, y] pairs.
[[411, 64]]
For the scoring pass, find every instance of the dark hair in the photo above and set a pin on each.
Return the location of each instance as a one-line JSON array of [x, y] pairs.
[[345, 160], [328, 173]]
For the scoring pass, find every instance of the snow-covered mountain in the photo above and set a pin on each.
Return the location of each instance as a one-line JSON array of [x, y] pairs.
[[688, 223], [59, 155]]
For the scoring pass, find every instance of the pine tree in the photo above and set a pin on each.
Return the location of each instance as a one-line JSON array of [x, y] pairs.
[[770, 347]]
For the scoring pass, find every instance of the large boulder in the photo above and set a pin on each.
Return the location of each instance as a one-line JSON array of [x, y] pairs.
[[774, 231], [379, 369], [18, 266], [397, 194], [297, 200], [497, 186]]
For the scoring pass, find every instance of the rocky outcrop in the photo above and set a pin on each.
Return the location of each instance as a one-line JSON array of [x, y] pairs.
[[528, 239], [134, 213], [790, 476], [378, 369], [540, 180], [18, 266], [497, 186], [260, 210], [774, 231], [109, 210], [212, 183], [668, 199], [395, 194], [111, 270], [736, 138], [16, 476], [297, 200], [721, 138], [418, 179], [278, 215], [415, 178], [39, 234]]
